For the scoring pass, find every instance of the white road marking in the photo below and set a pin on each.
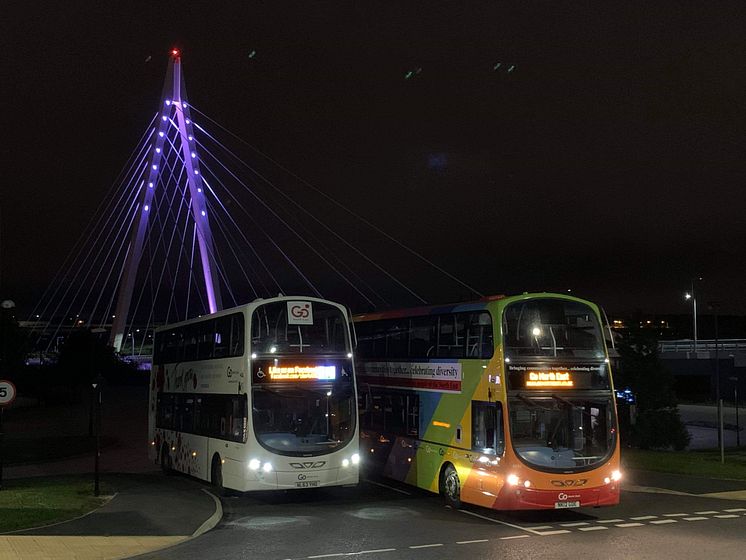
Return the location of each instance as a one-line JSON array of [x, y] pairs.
[[477, 540], [626, 525], [541, 527], [579, 524], [558, 532], [644, 518], [675, 514], [375, 551], [514, 537], [609, 520], [426, 545], [734, 510], [327, 555], [726, 516], [597, 528], [499, 522], [389, 487], [706, 512], [663, 521], [695, 518]]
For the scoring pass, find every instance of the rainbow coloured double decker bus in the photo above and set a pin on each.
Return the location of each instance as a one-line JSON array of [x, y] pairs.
[[505, 402]]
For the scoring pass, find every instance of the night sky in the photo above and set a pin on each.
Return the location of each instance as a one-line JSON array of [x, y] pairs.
[[610, 160]]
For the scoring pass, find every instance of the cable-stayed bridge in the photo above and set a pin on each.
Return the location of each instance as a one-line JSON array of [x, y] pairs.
[[189, 227]]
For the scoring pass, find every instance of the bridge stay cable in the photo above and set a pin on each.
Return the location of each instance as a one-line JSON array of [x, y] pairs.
[[95, 219], [331, 199], [318, 221], [89, 243]]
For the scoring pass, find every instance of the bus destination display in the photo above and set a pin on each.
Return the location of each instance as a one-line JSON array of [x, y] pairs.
[[557, 376]]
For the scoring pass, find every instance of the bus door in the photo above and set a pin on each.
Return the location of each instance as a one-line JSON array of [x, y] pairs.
[[488, 445]]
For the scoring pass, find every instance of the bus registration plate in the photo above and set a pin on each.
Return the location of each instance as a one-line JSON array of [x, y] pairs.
[[566, 505], [307, 484]]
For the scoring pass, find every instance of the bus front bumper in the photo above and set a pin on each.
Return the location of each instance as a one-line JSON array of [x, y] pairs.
[[319, 478], [561, 498]]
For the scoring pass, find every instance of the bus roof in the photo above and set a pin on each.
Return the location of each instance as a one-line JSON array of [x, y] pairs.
[[459, 307], [466, 306]]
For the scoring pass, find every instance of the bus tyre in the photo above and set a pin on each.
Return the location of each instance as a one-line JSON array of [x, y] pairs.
[[166, 466], [450, 487], [216, 476]]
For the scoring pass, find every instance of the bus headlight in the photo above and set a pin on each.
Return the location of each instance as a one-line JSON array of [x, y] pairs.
[[254, 464], [513, 480], [355, 458], [345, 462], [616, 476], [267, 467]]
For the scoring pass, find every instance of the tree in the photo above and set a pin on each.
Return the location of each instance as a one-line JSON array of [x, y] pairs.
[[13, 345], [658, 424]]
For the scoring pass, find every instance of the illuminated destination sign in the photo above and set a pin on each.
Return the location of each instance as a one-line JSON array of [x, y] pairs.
[[549, 379], [550, 376], [301, 373]]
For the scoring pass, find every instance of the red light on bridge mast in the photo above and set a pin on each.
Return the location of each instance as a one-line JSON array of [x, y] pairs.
[[175, 53]]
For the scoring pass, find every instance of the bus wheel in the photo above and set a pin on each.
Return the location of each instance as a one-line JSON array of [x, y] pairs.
[[451, 487], [216, 475], [166, 460]]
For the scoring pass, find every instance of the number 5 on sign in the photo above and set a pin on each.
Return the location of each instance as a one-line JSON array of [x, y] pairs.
[[7, 392]]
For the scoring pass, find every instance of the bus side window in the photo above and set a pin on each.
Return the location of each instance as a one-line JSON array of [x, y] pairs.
[[222, 336], [237, 322]]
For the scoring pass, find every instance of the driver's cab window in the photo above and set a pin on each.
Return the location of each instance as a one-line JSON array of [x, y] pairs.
[[487, 434]]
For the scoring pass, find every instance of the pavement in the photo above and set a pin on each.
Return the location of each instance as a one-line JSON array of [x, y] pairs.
[[148, 512], [702, 422]]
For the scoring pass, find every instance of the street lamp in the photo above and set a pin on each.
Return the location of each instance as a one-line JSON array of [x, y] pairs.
[[692, 296], [715, 306]]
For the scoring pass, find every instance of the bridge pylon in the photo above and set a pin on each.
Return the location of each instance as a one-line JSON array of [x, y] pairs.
[[173, 114]]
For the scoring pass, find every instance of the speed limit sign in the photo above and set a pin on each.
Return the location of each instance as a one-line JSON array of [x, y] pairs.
[[7, 392]]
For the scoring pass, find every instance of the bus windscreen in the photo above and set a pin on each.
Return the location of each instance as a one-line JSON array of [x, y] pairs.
[[547, 327]]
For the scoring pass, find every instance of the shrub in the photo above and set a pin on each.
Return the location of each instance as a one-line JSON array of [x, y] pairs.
[[660, 428]]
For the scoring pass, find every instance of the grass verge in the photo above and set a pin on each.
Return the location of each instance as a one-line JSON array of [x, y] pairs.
[[695, 463], [32, 502], [23, 450]]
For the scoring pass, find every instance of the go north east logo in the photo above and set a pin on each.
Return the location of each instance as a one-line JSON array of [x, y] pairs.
[[308, 465], [300, 313], [566, 483]]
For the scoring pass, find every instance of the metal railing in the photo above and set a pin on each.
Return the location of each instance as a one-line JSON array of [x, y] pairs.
[[723, 345]]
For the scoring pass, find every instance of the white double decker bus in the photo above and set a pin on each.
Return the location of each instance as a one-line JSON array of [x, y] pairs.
[[257, 397]]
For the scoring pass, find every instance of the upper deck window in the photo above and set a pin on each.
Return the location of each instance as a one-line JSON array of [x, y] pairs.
[[445, 335], [322, 330], [548, 327]]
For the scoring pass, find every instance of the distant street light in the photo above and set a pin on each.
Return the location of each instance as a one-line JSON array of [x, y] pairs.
[[692, 296]]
